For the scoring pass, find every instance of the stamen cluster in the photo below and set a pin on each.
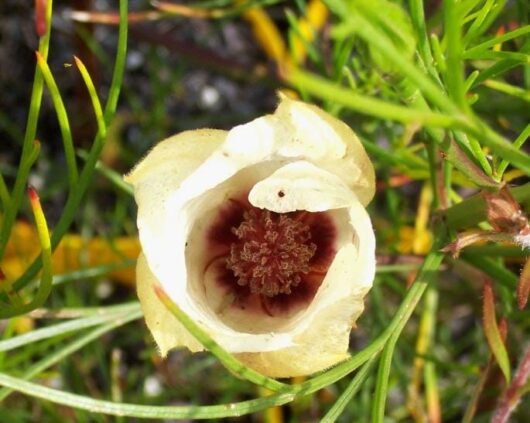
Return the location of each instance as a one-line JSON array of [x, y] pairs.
[[272, 252]]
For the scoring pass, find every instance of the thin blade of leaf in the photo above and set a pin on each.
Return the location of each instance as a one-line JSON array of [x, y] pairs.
[[493, 335]]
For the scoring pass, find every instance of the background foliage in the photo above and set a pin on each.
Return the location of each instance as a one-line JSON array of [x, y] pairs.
[[439, 94]]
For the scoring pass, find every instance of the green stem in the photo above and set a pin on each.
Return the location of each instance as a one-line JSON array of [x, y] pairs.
[[143, 411], [45, 285], [64, 124], [100, 119], [228, 360], [29, 137], [75, 197], [364, 104], [454, 74], [67, 349], [342, 402], [500, 39], [383, 373], [111, 313], [518, 143]]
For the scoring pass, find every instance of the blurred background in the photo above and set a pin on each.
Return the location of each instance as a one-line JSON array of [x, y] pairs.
[[215, 64]]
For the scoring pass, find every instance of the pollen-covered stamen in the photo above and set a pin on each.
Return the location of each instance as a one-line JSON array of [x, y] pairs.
[[272, 252]]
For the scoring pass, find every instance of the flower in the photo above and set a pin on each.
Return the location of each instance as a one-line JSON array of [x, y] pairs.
[[260, 235]]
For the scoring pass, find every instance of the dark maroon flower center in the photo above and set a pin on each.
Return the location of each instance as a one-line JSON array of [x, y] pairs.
[[269, 262], [272, 252]]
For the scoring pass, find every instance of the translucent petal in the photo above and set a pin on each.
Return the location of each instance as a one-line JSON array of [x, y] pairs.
[[330, 143], [301, 186], [167, 331]]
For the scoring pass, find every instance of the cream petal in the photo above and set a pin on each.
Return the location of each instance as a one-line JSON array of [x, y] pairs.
[[167, 331], [188, 149], [330, 143], [159, 175], [301, 186]]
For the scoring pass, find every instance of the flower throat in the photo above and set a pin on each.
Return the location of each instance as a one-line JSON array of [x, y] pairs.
[[271, 253]]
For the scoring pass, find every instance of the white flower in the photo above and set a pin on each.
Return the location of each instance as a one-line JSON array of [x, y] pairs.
[[260, 235]]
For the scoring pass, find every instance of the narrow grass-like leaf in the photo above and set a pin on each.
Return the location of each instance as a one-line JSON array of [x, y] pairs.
[[45, 285], [455, 73], [423, 345], [474, 29], [432, 394], [505, 88], [383, 373], [91, 272], [224, 357], [186, 412], [119, 65], [353, 387], [471, 80], [493, 269], [372, 35], [17, 194], [362, 26], [498, 68], [71, 347], [491, 330], [110, 315], [62, 117], [518, 143], [500, 39], [44, 239], [439, 58], [465, 165], [498, 55], [114, 177], [74, 199], [426, 328], [417, 15], [326, 90], [466, 6], [5, 198], [102, 128]]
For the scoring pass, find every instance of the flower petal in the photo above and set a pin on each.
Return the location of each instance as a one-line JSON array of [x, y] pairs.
[[188, 149], [330, 143], [160, 174], [300, 186], [167, 331]]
